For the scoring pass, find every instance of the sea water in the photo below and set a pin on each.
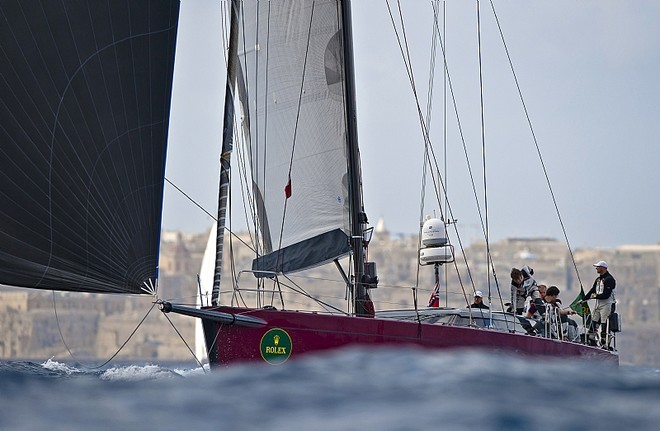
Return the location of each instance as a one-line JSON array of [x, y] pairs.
[[353, 389]]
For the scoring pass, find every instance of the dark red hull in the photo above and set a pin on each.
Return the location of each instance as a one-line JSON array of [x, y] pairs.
[[295, 334]]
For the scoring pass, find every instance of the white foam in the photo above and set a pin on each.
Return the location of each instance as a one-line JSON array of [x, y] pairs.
[[137, 373], [52, 365]]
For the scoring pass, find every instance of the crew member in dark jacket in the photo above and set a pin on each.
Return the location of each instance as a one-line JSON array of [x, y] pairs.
[[478, 300], [603, 292]]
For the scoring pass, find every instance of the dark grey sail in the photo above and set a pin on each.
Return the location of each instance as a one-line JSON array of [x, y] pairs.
[[85, 90]]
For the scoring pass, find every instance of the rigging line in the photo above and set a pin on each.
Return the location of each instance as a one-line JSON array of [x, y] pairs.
[[444, 131], [295, 128], [237, 296], [237, 128], [335, 281], [432, 160], [210, 348], [405, 40], [451, 215], [489, 259], [59, 328], [209, 214], [538, 149], [429, 107], [462, 135], [350, 304], [226, 10], [300, 290], [219, 265], [421, 211], [250, 207], [434, 47], [331, 280], [405, 55], [435, 38], [232, 258], [425, 132], [276, 283], [398, 38], [240, 146], [467, 160], [184, 342], [483, 142], [255, 94], [263, 218], [246, 196], [428, 146], [427, 142]]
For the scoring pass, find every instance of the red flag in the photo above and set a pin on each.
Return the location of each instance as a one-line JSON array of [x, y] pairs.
[[287, 188], [434, 300]]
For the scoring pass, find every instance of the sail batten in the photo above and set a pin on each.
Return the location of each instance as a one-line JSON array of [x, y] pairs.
[[303, 255], [84, 114]]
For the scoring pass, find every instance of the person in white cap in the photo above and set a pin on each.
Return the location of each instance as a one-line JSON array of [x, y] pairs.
[[478, 300], [603, 292]]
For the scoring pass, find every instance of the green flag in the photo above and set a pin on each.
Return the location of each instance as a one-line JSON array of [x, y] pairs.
[[581, 308]]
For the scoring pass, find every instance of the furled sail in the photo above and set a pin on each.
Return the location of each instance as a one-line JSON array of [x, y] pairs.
[[85, 89], [291, 95]]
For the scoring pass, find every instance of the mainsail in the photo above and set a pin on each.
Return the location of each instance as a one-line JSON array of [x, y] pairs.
[[85, 90], [291, 91]]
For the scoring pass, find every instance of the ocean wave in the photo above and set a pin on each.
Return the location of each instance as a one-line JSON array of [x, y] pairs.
[[386, 389]]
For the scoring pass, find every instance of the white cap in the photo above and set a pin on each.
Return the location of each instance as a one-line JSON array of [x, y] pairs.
[[479, 294], [601, 263]]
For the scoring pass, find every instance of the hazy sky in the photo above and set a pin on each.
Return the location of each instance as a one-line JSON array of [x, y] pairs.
[[589, 74]]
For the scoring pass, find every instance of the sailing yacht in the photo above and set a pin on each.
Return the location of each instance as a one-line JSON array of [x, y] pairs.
[[291, 106], [86, 94]]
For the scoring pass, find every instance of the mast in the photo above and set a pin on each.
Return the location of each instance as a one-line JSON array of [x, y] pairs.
[[227, 148], [357, 214]]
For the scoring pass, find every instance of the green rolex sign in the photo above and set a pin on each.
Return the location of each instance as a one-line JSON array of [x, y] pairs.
[[276, 346]]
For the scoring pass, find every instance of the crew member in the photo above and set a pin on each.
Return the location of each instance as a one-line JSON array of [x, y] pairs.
[[603, 292]]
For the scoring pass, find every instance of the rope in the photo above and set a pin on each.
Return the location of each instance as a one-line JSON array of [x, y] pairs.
[[184, 341], [438, 182], [215, 339], [536, 144], [483, 219], [483, 144], [59, 328], [207, 213]]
